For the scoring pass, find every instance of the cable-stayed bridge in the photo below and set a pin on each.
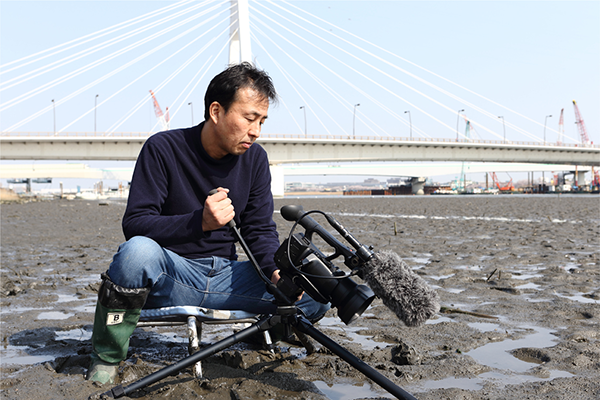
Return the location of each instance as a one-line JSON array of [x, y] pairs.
[[343, 98]]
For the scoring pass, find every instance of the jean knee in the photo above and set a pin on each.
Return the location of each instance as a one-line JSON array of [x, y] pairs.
[[134, 263]]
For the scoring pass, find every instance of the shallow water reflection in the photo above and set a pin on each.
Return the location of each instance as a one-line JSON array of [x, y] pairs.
[[345, 391]]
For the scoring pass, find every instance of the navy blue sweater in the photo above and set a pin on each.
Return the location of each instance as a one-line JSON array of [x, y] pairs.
[[171, 180]]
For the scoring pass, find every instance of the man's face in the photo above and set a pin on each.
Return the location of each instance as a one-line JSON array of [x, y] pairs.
[[240, 126]]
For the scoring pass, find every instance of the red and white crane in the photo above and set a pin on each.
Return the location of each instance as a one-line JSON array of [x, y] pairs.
[[162, 118], [581, 125]]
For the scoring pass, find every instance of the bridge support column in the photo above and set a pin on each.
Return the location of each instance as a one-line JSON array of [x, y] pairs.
[[239, 46], [418, 185], [580, 175], [277, 180]]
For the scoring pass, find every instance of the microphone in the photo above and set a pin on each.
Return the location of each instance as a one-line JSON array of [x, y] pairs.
[[400, 289]]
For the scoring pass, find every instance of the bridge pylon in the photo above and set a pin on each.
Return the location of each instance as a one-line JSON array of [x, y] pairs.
[[239, 44]]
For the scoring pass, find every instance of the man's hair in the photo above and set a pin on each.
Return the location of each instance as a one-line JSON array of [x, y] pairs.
[[224, 87]]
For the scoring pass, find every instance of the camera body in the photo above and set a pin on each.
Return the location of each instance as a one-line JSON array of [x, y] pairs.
[[304, 268]]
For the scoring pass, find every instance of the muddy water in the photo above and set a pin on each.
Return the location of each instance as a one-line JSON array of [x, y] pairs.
[[518, 278]]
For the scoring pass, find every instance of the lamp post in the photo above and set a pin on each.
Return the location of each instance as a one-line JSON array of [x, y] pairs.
[[410, 121], [545, 120], [54, 112], [95, 106], [192, 111], [305, 129], [503, 126], [457, 119], [354, 121]]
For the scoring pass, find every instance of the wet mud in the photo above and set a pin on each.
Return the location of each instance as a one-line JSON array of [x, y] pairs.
[[518, 279]]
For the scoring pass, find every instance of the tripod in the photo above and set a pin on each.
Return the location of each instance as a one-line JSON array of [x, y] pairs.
[[287, 313]]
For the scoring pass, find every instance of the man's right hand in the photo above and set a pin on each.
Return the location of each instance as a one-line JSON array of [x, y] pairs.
[[218, 210]]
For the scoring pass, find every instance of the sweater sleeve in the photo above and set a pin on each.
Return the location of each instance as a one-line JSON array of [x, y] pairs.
[[147, 195], [258, 228]]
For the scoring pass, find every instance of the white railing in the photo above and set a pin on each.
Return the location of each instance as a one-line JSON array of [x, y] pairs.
[[299, 136]]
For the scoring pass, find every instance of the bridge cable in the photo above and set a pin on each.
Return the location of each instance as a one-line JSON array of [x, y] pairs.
[[93, 36], [354, 70], [418, 66], [91, 50], [370, 65], [350, 83], [88, 67], [61, 101], [172, 76], [337, 96]]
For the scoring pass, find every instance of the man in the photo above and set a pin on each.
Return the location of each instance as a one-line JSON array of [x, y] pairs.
[[178, 249]]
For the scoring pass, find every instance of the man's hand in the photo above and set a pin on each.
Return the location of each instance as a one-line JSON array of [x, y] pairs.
[[275, 277], [218, 210]]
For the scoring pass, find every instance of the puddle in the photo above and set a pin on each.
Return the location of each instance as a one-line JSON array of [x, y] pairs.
[[17, 355], [526, 276], [478, 382], [74, 334], [529, 285], [351, 332], [438, 320], [173, 336], [484, 326], [468, 267], [580, 298], [18, 310], [63, 298], [86, 308], [440, 277], [417, 260], [341, 391], [452, 290], [496, 355], [54, 315]]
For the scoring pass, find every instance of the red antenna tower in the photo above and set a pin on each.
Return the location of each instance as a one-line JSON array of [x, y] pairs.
[[580, 125], [561, 127]]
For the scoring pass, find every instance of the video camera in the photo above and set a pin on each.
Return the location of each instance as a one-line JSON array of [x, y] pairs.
[[303, 267]]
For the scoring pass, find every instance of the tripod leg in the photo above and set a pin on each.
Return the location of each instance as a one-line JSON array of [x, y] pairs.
[[305, 340], [260, 326], [194, 334], [305, 326]]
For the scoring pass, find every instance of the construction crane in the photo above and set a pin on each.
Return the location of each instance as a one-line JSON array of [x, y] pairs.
[[561, 127], [508, 188], [581, 125], [162, 118]]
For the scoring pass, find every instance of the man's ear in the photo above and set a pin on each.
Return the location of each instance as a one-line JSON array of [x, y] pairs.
[[214, 111]]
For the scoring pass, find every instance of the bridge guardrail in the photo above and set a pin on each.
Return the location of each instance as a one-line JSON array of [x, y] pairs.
[[292, 136]]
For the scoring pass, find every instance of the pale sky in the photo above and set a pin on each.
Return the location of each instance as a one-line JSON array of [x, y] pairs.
[[532, 57]]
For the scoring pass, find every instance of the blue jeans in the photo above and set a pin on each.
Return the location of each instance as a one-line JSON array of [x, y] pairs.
[[212, 282]]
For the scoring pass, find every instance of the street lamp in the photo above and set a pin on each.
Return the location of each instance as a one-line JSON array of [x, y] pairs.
[[354, 121], [546, 119], [192, 109], [503, 126], [457, 119], [95, 105], [54, 112], [409, 120], [305, 131]]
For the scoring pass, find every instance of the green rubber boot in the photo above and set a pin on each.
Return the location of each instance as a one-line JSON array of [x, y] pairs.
[[117, 314]]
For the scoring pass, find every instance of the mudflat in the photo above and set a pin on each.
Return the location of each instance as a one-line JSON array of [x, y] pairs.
[[518, 278]]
